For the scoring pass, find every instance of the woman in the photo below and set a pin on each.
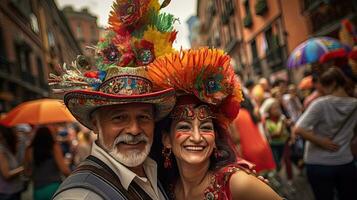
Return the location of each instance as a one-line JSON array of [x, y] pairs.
[[205, 165], [328, 125], [45, 162], [246, 130], [11, 184]]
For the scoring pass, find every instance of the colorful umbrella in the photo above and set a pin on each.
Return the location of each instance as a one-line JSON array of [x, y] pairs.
[[42, 111], [312, 49]]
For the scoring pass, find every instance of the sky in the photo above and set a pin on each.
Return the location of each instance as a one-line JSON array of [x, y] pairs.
[[182, 9]]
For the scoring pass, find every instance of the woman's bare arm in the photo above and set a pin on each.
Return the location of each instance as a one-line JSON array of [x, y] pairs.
[[248, 187], [4, 168], [57, 153]]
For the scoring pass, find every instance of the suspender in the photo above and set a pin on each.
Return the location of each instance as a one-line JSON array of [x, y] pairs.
[[96, 176]]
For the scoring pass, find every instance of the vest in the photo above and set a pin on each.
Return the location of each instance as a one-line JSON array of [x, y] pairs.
[[94, 175]]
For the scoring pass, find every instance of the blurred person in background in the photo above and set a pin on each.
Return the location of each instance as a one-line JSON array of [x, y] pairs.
[[23, 132], [292, 103], [45, 163], [266, 87], [329, 125], [11, 184], [276, 127], [84, 146], [316, 92], [245, 132]]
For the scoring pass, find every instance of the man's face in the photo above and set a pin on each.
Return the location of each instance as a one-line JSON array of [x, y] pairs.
[[126, 131]]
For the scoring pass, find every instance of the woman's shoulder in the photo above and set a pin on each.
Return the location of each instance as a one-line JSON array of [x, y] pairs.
[[220, 181], [245, 185]]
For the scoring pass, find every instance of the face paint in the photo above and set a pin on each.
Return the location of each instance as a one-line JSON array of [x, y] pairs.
[[208, 134], [180, 134]]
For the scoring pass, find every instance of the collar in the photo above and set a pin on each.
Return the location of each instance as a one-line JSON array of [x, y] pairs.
[[126, 176]]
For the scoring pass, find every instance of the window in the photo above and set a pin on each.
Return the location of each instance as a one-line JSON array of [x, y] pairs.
[[79, 32], [23, 57], [269, 39], [256, 61], [51, 39], [247, 7], [34, 23], [2, 45]]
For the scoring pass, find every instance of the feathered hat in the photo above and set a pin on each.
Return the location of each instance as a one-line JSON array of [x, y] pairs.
[[346, 60], [200, 75], [137, 35]]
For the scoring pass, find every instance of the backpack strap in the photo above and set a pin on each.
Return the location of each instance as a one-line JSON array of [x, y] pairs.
[[96, 176], [85, 179], [133, 190]]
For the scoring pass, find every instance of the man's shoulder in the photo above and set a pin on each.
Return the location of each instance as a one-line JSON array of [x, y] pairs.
[[77, 194]]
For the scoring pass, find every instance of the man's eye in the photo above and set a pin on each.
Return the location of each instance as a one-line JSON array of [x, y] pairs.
[[119, 117], [145, 117]]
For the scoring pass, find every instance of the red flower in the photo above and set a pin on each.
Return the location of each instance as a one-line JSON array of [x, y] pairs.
[[144, 52], [126, 58], [129, 13], [91, 74]]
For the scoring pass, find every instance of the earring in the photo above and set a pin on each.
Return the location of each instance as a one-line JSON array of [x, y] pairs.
[[166, 152]]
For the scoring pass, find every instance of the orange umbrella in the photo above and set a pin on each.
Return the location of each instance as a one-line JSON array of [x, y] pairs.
[[306, 83], [41, 111]]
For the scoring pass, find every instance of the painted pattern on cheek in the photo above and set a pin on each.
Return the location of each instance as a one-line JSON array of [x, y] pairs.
[[180, 134], [208, 134]]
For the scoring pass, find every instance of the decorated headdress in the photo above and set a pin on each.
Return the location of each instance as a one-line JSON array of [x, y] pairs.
[[343, 58], [137, 35], [204, 75]]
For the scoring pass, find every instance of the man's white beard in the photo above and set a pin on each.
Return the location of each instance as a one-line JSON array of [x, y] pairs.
[[131, 158]]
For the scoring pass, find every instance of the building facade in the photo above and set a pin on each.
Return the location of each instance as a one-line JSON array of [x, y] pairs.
[[260, 34], [85, 28], [34, 39]]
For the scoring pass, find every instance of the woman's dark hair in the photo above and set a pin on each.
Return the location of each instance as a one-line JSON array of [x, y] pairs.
[[9, 137], [169, 176], [334, 75], [42, 145]]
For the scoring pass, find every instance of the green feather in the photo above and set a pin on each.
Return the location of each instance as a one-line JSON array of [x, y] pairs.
[[163, 22]]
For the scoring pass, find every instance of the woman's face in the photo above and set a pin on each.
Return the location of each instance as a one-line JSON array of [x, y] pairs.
[[192, 140]]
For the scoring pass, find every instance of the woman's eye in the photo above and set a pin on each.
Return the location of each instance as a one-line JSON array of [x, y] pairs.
[[183, 127], [207, 128]]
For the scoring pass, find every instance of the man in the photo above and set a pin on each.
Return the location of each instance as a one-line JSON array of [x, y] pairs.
[[120, 105]]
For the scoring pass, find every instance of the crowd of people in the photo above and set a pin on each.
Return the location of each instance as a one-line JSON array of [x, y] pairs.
[[298, 129], [36, 159], [155, 123]]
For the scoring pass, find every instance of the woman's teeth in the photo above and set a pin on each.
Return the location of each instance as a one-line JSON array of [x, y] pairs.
[[194, 148]]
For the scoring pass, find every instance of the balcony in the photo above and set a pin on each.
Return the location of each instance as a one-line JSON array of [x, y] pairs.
[[326, 14], [28, 77], [5, 65], [257, 67], [275, 58]]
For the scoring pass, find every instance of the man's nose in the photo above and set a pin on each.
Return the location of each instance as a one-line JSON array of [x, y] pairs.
[[134, 127]]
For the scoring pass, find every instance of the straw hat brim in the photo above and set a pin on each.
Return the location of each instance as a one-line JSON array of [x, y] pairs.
[[82, 103]]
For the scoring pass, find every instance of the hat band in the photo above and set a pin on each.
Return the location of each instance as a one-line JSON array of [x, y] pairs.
[[126, 85]]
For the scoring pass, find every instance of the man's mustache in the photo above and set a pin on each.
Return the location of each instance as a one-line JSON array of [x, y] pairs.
[[128, 138]]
